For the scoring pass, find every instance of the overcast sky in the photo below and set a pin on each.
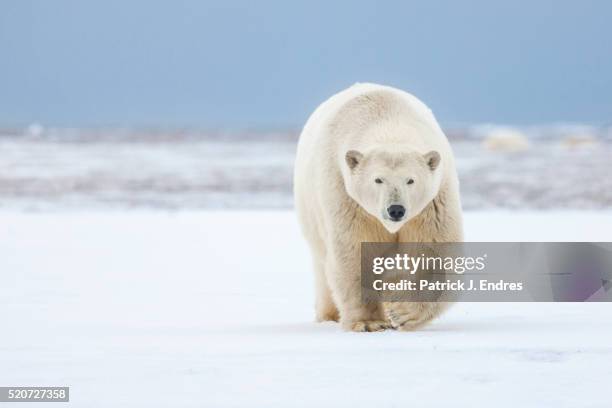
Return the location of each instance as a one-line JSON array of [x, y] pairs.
[[240, 64]]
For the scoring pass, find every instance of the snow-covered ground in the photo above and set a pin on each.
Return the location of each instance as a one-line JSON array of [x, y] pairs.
[[214, 309]]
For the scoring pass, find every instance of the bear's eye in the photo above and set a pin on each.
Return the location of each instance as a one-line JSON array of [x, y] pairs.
[[410, 181], [378, 181]]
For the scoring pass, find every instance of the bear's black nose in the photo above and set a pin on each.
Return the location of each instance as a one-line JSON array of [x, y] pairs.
[[396, 212]]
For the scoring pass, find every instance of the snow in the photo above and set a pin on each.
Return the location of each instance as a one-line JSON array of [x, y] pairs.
[[214, 309]]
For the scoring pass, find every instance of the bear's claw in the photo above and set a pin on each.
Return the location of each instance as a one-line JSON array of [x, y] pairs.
[[406, 321], [369, 326]]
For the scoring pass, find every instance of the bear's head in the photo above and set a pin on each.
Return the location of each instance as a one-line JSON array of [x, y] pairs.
[[395, 186]]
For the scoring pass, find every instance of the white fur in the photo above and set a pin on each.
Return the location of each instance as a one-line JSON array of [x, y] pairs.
[[339, 207]]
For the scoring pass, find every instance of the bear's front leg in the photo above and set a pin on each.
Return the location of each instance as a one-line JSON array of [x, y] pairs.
[[345, 281]]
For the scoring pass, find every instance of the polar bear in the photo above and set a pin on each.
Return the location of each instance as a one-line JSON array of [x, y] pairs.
[[372, 165]]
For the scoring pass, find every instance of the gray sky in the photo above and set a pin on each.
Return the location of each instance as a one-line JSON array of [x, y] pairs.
[[240, 64]]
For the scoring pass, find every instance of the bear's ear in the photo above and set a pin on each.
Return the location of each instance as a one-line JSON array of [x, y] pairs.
[[432, 159], [353, 158]]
